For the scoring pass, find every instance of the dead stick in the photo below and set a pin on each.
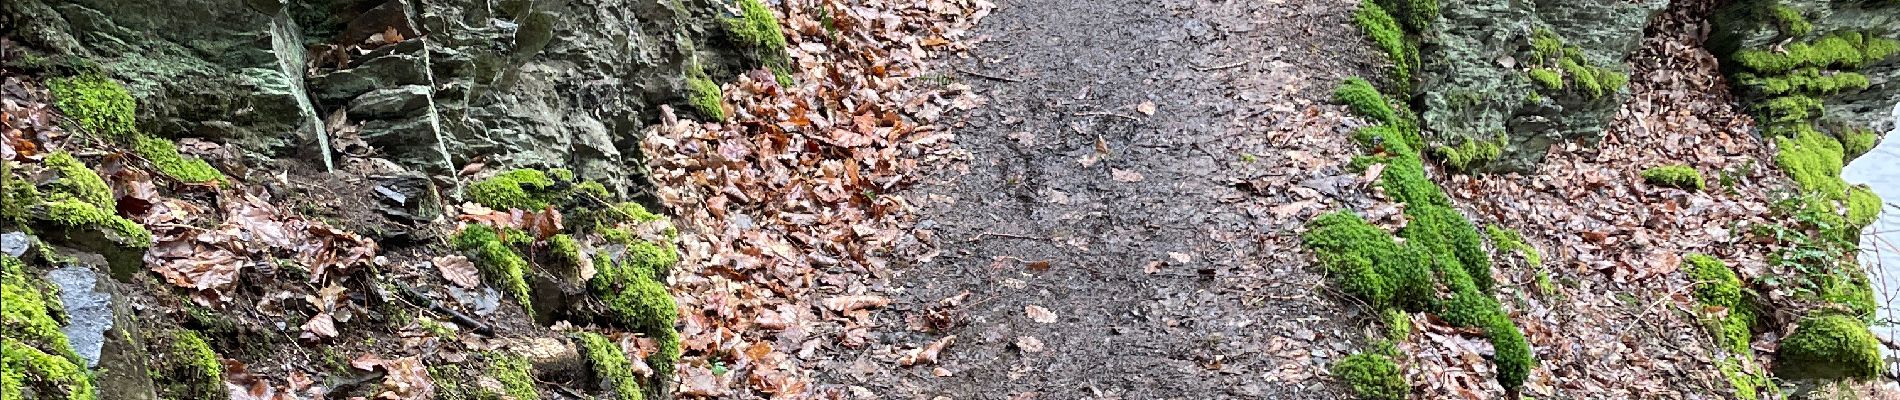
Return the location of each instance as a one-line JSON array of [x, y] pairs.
[[1007, 235], [1220, 67], [460, 318], [990, 77], [1106, 114]]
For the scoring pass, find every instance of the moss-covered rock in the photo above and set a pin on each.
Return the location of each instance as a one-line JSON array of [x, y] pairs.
[[609, 363], [704, 94], [1830, 347], [1390, 38], [525, 189], [1366, 262], [1717, 285], [634, 297], [513, 372], [499, 262], [186, 367], [34, 352], [1372, 376], [1676, 176], [98, 104]]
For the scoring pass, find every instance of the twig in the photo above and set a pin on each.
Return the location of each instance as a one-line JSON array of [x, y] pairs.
[[1106, 114], [462, 319], [1220, 67], [986, 76], [1007, 235]]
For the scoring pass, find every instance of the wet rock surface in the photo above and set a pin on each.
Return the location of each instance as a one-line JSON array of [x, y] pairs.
[[88, 309], [1475, 82]]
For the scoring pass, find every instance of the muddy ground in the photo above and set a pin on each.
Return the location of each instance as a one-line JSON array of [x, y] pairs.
[[1147, 151]]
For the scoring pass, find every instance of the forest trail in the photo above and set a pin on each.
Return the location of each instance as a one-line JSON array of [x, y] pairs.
[[1139, 171]]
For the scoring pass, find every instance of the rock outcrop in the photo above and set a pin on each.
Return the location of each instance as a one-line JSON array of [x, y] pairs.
[[1500, 82], [430, 84]]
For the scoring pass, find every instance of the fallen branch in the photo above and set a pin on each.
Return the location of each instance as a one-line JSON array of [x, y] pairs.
[[460, 319], [1106, 114], [1221, 67], [986, 76]]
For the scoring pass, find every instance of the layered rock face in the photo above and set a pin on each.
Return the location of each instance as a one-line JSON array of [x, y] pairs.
[[1774, 26], [430, 84], [1509, 79]]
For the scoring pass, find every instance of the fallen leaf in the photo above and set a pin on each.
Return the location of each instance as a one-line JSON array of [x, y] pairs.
[[1122, 175], [1039, 314], [1181, 258], [1146, 108], [851, 303], [458, 270], [926, 354], [1029, 344]]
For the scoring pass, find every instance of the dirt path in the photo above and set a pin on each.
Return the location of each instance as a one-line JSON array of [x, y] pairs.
[[1168, 276]]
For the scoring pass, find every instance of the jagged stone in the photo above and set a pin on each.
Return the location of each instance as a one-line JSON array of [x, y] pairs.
[[1476, 83], [393, 102]]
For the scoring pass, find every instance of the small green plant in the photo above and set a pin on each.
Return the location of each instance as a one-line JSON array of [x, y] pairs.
[[1372, 376], [1678, 176]]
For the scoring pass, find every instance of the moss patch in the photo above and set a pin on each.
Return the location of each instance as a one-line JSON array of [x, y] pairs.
[[78, 182], [1372, 376], [609, 363], [100, 105], [524, 189], [186, 367], [1506, 239], [1471, 153], [704, 94], [1551, 62], [515, 374], [1716, 285], [1390, 38], [33, 351], [163, 154], [499, 263], [1678, 176], [1830, 347]]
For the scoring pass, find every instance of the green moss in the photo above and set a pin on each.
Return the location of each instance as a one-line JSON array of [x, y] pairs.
[[1676, 176], [1814, 160], [1398, 325], [76, 181], [1510, 240], [448, 382], [498, 262], [1514, 359], [1584, 76], [49, 376], [524, 189], [1850, 289], [187, 368], [1372, 376], [1811, 81], [1549, 78], [436, 328], [1471, 153], [1359, 96], [609, 363], [515, 374], [1748, 385], [1790, 21], [1839, 50], [17, 195], [163, 154], [756, 26], [1417, 15], [565, 250], [1795, 110], [77, 214], [704, 94], [100, 105], [1365, 262], [1454, 244], [1863, 206], [665, 359], [634, 212], [25, 310], [1829, 347], [1390, 38], [1859, 141], [635, 298], [1717, 285], [1545, 47]]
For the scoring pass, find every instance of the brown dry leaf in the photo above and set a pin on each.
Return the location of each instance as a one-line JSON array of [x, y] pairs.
[[406, 379], [926, 354], [1373, 172], [1039, 314], [1029, 344], [319, 327], [852, 303], [544, 224], [1122, 175], [458, 270]]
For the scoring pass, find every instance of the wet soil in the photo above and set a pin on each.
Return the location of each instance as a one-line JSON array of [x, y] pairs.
[[1173, 263]]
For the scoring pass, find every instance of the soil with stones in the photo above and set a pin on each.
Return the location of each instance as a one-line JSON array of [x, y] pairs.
[[1140, 171]]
